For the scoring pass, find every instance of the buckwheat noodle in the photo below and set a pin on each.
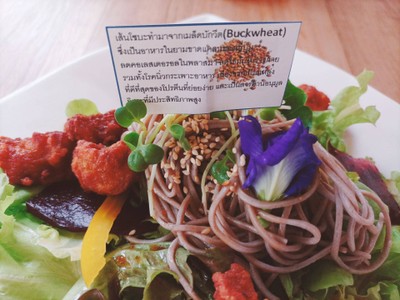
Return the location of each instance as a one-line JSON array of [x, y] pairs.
[[333, 219]]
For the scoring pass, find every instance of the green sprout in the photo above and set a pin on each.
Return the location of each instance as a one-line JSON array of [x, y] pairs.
[[218, 115], [178, 132], [219, 169], [268, 113], [133, 111], [142, 154]]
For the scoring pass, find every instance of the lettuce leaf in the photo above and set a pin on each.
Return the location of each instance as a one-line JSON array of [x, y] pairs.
[[84, 107], [296, 99], [325, 280], [329, 125], [393, 184], [326, 274], [28, 270], [141, 270]]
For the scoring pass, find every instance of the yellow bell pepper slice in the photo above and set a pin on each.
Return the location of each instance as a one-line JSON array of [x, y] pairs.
[[95, 239]]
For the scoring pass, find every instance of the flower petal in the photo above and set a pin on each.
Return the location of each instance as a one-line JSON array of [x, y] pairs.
[[302, 180], [251, 172], [250, 136], [280, 145], [305, 164]]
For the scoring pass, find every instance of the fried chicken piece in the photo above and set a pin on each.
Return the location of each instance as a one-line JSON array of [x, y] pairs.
[[101, 169], [98, 128], [42, 159], [235, 284]]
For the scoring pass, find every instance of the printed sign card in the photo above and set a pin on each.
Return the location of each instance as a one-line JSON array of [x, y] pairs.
[[201, 68]]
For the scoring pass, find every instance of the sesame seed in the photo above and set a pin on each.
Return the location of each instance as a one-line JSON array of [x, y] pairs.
[[242, 160], [207, 151], [198, 162], [175, 155], [206, 230]]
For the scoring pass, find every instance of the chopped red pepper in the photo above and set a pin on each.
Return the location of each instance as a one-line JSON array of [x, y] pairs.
[[234, 284], [316, 100]]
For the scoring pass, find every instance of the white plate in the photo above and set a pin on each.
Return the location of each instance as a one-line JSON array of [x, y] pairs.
[[40, 106]]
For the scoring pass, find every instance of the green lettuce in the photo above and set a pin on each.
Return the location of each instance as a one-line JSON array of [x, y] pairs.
[[142, 272], [296, 99], [325, 280], [393, 184], [329, 125], [28, 270], [84, 107]]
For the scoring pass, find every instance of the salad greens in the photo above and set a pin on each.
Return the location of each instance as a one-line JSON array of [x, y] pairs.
[[295, 98], [325, 280], [81, 106], [346, 110], [393, 184], [142, 272], [37, 262]]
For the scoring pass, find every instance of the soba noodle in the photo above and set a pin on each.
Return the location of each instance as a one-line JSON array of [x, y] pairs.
[[331, 220]]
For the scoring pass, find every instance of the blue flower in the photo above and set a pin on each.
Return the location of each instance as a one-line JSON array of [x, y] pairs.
[[283, 164]]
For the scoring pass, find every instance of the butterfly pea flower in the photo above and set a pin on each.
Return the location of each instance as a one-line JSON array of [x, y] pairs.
[[282, 164]]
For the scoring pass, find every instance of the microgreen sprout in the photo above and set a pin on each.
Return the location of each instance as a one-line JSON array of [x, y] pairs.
[[219, 169], [145, 155], [218, 115], [142, 154], [268, 113], [178, 132], [132, 140], [133, 111]]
